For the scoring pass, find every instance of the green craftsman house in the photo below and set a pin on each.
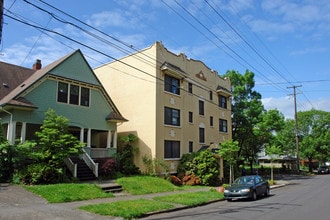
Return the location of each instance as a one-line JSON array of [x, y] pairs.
[[70, 87]]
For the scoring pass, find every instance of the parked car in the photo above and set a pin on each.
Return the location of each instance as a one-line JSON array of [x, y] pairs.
[[247, 187], [323, 170]]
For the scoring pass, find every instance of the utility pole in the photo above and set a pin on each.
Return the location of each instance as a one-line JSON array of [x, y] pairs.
[[296, 123]]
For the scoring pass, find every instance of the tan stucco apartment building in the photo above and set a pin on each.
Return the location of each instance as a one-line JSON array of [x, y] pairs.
[[174, 105]]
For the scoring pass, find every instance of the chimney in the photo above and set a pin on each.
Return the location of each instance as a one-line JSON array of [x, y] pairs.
[[37, 65]]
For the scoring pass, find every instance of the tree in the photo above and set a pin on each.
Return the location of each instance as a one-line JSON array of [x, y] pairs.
[[273, 152], [53, 144], [228, 150], [247, 111], [314, 135]]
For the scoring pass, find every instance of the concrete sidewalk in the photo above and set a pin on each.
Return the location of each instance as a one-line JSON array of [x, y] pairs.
[[16, 203]]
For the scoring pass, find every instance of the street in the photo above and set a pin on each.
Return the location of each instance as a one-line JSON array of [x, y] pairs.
[[304, 198]]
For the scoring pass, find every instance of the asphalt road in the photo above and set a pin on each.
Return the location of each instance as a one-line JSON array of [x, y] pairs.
[[305, 198]]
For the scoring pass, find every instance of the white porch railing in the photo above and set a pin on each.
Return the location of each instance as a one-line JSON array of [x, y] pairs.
[[90, 163], [71, 166], [99, 152]]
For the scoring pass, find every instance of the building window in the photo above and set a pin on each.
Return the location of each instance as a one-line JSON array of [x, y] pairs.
[[211, 121], [172, 85], [190, 117], [211, 95], [62, 92], [172, 116], [223, 125], [171, 149], [84, 96], [201, 107], [222, 101], [190, 85], [72, 94], [191, 147], [201, 135]]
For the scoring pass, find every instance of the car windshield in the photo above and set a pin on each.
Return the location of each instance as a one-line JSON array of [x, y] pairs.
[[244, 180]]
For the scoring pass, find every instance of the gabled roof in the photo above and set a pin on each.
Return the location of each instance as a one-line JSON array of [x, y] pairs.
[[23, 85], [16, 80], [12, 76]]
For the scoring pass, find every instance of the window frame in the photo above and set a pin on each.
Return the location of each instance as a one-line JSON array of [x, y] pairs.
[[67, 97], [201, 108], [190, 147], [223, 125], [222, 101], [211, 95], [191, 117], [171, 149], [172, 84], [172, 115], [62, 96], [190, 87], [201, 135]]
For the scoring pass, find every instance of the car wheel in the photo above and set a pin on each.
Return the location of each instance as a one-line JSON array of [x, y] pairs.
[[254, 196], [229, 200], [267, 192]]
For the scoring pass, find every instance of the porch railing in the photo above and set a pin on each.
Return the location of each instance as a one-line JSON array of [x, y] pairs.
[[71, 166], [100, 152], [90, 163]]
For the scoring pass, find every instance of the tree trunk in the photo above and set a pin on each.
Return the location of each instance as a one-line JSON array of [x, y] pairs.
[[310, 165]]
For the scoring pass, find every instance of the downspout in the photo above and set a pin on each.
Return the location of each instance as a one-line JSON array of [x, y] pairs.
[[10, 131]]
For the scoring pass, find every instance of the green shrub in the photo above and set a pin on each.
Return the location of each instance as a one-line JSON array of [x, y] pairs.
[[202, 164], [41, 173], [108, 169]]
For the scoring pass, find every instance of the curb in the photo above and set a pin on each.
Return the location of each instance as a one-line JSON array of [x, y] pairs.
[[192, 206]]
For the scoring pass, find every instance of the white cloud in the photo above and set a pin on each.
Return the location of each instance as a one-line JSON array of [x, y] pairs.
[[284, 104]]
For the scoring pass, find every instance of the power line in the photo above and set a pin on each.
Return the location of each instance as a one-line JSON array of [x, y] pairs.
[[102, 53]]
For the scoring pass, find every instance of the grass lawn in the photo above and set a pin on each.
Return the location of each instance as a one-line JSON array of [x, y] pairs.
[[191, 198], [56, 193], [127, 209], [139, 185], [136, 208]]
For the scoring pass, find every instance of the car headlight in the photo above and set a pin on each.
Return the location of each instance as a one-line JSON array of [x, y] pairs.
[[226, 191], [245, 190]]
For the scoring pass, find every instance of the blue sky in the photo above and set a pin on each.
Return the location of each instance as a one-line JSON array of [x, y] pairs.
[[284, 42]]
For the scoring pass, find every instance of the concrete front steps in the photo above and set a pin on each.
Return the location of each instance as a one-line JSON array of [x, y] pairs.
[[110, 187]]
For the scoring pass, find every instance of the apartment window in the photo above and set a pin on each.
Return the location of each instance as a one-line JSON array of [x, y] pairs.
[[201, 135], [211, 95], [72, 94], [172, 85], [190, 85], [211, 121], [171, 149], [191, 147], [222, 101], [172, 116], [190, 117], [223, 125], [201, 107]]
